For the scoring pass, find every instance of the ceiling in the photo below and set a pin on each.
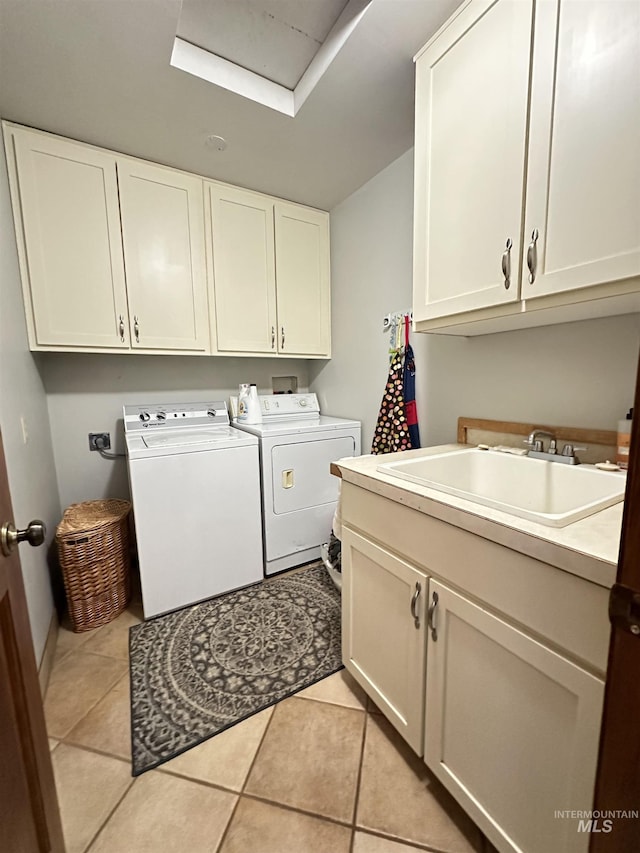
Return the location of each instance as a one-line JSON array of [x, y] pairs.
[[98, 71]]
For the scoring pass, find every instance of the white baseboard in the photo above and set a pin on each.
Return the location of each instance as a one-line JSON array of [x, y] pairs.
[[46, 664]]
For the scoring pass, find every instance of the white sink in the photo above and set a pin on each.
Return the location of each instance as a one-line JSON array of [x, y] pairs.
[[551, 493]]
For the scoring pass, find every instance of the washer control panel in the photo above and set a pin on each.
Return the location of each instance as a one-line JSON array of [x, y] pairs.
[[171, 416]]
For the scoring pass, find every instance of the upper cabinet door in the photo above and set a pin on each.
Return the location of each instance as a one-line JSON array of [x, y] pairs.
[[584, 161], [244, 270], [163, 233], [303, 280], [68, 199], [472, 86]]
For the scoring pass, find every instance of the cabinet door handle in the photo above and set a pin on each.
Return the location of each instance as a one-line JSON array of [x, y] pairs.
[[136, 329], [282, 337], [414, 605], [532, 256], [273, 337], [506, 264], [121, 327], [431, 616]]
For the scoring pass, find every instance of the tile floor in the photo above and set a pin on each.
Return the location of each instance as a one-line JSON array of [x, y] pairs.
[[322, 772]]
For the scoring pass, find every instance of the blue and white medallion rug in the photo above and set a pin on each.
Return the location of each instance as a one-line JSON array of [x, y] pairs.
[[202, 669]]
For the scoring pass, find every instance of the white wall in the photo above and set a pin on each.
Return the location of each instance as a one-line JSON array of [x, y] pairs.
[[371, 269], [575, 374], [86, 393], [30, 466]]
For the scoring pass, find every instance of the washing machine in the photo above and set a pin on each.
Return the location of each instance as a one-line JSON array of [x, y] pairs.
[[195, 486], [299, 494]]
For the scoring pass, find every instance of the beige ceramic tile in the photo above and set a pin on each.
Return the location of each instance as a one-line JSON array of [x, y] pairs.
[[398, 797], [107, 727], [338, 689], [89, 786], [372, 708], [165, 814], [264, 828], [78, 681], [226, 758], [363, 842], [309, 758], [68, 641], [113, 639]]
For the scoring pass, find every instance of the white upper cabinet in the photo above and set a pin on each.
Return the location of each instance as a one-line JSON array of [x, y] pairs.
[[303, 280], [163, 235], [119, 253], [66, 209], [528, 129], [471, 120], [243, 270], [271, 275], [583, 179]]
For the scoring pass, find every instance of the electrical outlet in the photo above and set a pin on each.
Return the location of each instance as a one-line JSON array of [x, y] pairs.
[[99, 441]]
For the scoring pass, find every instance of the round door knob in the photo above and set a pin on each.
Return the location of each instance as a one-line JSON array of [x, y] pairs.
[[34, 533]]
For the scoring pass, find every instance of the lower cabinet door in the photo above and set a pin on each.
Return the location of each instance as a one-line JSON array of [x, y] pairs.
[[511, 728], [383, 632]]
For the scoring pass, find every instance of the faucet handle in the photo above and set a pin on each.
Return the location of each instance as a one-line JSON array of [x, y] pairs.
[[570, 450]]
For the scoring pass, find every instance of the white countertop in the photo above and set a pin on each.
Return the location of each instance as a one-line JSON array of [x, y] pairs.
[[587, 548]]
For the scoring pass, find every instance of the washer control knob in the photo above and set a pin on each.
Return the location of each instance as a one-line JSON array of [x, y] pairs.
[[145, 416], [212, 413], [161, 416], [303, 401]]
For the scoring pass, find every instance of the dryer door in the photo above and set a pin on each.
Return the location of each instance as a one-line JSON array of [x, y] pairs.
[[300, 472]]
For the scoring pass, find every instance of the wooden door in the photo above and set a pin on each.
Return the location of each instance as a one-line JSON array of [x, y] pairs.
[[303, 283], [66, 198], [162, 214], [472, 87], [243, 252], [618, 776], [29, 817], [511, 727], [383, 632], [584, 146]]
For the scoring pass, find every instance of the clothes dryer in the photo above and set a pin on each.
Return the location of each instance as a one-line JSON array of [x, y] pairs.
[[299, 494]]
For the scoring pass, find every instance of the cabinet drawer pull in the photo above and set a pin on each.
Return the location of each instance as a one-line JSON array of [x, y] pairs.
[[282, 338], [121, 327], [136, 329], [414, 605], [532, 256], [431, 616], [273, 337], [506, 264]]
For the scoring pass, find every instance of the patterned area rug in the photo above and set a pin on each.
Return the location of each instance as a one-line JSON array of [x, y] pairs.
[[202, 669]]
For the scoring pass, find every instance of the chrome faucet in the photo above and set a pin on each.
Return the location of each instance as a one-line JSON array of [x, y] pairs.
[[537, 451], [535, 441]]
